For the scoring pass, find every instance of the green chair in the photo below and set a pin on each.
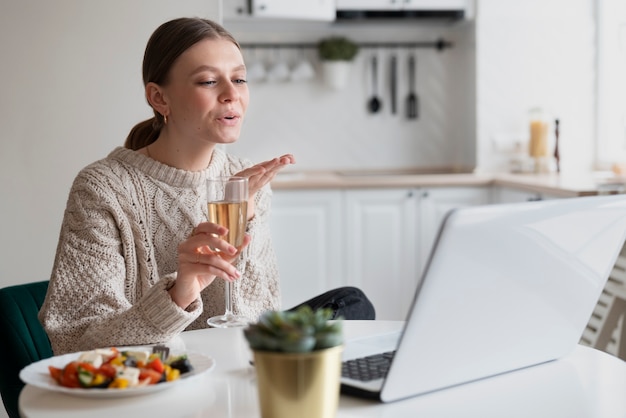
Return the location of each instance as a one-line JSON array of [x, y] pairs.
[[24, 340]]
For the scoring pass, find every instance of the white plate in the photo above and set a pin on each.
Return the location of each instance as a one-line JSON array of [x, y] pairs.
[[37, 374]]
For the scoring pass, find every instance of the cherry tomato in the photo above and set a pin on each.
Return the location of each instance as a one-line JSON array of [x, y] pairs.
[[56, 373], [157, 365], [69, 378], [107, 370], [153, 376]]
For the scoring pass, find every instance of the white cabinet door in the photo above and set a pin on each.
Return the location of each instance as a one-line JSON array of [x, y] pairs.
[[435, 203], [381, 247], [503, 194], [295, 9], [307, 234], [511, 195]]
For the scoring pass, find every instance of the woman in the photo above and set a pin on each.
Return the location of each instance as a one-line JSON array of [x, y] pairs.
[[132, 265]]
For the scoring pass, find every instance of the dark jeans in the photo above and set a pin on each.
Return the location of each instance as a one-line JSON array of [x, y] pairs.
[[347, 302]]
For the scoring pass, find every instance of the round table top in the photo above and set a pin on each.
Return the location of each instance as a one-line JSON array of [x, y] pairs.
[[586, 383]]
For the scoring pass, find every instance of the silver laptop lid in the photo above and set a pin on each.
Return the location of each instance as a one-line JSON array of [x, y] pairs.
[[507, 286]]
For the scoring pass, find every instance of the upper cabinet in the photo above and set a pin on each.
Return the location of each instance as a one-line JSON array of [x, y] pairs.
[[408, 10], [330, 10], [401, 4], [321, 10]]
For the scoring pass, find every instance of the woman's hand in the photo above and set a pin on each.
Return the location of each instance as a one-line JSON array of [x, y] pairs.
[[262, 173], [198, 264]]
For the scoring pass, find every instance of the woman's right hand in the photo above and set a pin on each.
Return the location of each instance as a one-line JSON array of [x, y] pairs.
[[199, 265]]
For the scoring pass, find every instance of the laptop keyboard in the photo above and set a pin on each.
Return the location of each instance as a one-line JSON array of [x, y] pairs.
[[367, 368]]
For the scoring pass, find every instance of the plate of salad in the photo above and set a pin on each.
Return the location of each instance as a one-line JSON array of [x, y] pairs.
[[115, 372]]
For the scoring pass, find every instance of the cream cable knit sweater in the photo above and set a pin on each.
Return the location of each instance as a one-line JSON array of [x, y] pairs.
[[117, 255]]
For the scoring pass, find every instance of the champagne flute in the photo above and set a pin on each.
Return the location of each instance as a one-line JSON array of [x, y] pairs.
[[227, 200]]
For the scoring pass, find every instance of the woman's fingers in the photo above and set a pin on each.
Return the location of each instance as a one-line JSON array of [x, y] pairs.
[[209, 254], [214, 264], [262, 173]]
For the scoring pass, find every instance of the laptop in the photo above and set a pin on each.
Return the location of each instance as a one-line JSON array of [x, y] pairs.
[[507, 286]]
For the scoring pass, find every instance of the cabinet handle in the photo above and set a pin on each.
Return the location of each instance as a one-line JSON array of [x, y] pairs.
[[425, 194], [409, 194]]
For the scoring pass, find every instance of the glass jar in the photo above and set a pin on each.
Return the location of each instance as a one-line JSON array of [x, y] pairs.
[[538, 141]]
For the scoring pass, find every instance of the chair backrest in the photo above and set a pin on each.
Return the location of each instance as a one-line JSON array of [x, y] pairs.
[[24, 340], [605, 328]]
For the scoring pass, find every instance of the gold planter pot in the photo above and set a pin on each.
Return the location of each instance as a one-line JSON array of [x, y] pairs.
[[303, 385]]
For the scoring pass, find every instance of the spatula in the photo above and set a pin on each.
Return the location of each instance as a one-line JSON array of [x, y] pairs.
[[412, 101]]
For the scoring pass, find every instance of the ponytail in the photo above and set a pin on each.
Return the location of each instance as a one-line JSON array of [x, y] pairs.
[[143, 134]]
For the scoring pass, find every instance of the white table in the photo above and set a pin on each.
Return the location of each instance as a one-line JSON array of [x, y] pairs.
[[587, 383]]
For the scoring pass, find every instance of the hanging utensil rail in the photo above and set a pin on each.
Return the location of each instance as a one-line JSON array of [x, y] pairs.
[[439, 44]]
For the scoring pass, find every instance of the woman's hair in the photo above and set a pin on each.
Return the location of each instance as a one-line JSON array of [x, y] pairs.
[[165, 45]]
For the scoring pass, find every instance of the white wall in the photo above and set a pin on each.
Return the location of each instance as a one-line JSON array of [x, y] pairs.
[[535, 53], [71, 90]]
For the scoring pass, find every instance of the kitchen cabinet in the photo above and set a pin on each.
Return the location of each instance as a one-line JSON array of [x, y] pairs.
[[381, 247], [503, 194], [435, 203], [375, 239], [388, 5], [307, 235], [322, 10]]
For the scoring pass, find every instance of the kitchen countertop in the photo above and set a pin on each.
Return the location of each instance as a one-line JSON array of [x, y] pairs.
[[571, 185]]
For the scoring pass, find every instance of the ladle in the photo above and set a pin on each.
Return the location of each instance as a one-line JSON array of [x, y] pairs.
[[374, 103]]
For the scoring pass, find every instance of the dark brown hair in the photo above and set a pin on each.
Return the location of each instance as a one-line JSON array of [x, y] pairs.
[[165, 45]]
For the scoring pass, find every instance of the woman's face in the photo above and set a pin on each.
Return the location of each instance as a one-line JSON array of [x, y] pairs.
[[207, 94]]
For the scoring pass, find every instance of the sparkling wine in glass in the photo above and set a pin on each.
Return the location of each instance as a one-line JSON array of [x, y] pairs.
[[227, 199]]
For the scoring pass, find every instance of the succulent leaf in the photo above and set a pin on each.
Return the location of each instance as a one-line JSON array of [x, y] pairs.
[[297, 331]]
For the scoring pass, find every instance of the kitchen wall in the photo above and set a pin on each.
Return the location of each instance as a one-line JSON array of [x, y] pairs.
[[535, 53], [329, 129], [71, 90]]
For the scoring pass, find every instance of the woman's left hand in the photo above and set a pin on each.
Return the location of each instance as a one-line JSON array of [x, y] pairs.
[[262, 173]]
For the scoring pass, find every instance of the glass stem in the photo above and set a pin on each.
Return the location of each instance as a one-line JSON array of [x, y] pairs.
[[228, 290]]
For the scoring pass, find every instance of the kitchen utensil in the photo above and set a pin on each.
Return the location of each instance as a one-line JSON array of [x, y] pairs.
[[374, 103], [393, 84], [412, 101]]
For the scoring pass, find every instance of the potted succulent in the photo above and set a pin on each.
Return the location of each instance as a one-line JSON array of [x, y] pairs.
[[336, 54], [297, 357]]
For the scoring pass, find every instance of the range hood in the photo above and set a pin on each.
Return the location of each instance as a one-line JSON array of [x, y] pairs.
[[440, 10]]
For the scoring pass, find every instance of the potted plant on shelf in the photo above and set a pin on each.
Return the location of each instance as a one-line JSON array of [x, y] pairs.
[[297, 356], [336, 54]]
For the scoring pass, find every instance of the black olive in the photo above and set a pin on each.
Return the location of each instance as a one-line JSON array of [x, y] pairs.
[[182, 364], [130, 362]]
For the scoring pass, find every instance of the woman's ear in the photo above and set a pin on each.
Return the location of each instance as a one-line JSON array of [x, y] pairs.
[[156, 98]]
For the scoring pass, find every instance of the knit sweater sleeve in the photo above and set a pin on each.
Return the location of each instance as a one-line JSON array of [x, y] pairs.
[[98, 294]]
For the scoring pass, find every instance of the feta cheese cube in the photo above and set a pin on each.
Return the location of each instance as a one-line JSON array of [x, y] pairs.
[[91, 357], [139, 355], [131, 374], [106, 353]]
